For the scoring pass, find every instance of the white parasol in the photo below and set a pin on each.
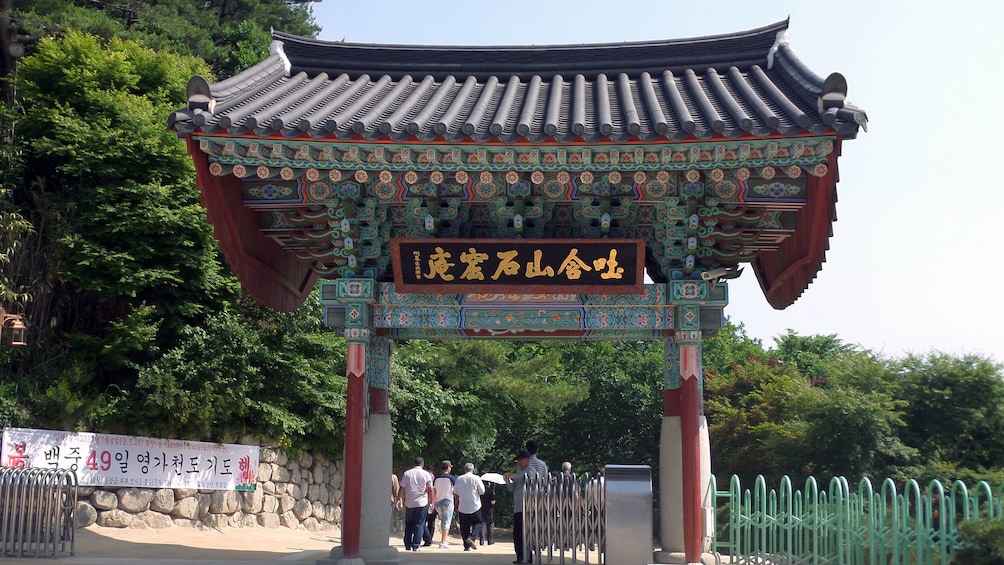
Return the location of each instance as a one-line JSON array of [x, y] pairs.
[[493, 478]]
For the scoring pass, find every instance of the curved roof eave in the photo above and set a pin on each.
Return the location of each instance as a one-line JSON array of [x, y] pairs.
[[786, 273]]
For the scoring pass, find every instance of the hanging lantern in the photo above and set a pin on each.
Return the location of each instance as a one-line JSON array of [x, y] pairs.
[[18, 333]]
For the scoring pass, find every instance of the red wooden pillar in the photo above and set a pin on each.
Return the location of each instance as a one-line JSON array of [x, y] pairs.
[[355, 426], [690, 443], [356, 294]]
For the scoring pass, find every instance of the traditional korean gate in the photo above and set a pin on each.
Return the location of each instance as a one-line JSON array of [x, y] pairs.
[[522, 192]]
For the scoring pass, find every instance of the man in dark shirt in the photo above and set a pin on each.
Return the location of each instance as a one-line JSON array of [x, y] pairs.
[[515, 482], [487, 514]]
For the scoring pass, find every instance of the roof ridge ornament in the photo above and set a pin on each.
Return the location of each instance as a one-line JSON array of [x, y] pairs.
[[199, 96], [834, 92], [276, 48], [780, 41]]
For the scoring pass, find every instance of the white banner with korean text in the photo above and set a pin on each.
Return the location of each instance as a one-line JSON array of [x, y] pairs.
[[116, 460]]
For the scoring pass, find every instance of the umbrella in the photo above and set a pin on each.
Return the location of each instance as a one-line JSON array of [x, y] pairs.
[[493, 478]]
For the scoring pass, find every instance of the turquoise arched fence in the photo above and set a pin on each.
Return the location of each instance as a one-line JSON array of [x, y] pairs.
[[842, 525]]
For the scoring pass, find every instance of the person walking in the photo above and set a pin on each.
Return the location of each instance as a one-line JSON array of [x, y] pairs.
[[395, 486], [469, 490], [569, 506], [487, 514], [445, 493], [515, 482], [429, 529], [414, 494], [538, 464]]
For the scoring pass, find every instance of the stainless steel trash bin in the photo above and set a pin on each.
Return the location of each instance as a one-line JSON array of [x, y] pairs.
[[628, 516]]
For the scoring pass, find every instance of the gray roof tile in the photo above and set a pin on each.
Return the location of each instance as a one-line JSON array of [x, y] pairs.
[[661, 90]]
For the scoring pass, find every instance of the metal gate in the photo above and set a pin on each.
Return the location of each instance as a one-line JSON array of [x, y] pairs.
[[563, 519], [36, 511]]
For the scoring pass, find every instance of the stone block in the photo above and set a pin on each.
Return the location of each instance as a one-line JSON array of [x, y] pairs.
[[154, 520], [84, 514], [251, 501], [302, 509], [104, 500], [264, 471], [217, 521], [266, 520], [187, 508], [134, 500], [114, 518], [223, 502], [163, 501], [280, 474], [288, 519], [205, 499], [269, 504]]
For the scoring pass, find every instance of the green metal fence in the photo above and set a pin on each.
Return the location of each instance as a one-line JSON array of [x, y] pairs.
[[844, 526]]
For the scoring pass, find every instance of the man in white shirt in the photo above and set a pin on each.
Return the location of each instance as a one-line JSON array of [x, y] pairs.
[[413, 493], [469, 490]]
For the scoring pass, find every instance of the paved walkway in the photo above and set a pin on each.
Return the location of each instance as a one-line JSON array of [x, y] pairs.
[[245, 546]]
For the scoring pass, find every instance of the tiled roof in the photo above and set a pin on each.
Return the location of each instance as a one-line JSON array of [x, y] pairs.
[[664, 96], [741, 84]]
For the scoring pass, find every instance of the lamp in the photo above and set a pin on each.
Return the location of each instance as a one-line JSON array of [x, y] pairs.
[[18, 329]]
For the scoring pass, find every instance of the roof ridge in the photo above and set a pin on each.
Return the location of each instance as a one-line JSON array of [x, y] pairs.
[[590, 59], [770, 30]]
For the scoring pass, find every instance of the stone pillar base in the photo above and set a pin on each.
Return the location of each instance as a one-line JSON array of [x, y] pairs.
[[679, 558], [368, 555]]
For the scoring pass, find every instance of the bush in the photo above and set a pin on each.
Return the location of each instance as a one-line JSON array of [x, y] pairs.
[[982, 542]]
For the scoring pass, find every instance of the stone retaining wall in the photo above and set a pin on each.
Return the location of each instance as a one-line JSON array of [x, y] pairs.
[[305, 491]]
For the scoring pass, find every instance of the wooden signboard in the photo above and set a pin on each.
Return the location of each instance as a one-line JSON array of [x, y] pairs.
[[596, 266]]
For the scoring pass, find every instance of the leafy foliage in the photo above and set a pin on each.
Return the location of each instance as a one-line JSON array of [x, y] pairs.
[[275, 375], [224, 33], [748, 407], [955, 408], [829, 411], [129, 242], [620, 419], [982, 542], [149, 333], [730, 345], [470, 399]]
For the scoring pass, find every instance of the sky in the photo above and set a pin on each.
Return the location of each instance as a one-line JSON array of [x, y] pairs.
[[915, 264]]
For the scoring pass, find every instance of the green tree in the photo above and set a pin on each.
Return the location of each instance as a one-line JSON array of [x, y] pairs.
[[473, 399], [982, 542], [840, 432], [620, 419], [121, 237], [730, 345], [810, 355], [748, 407], [249, 371], [224, 33], [13, 229], [772, 418], [955, 409]]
